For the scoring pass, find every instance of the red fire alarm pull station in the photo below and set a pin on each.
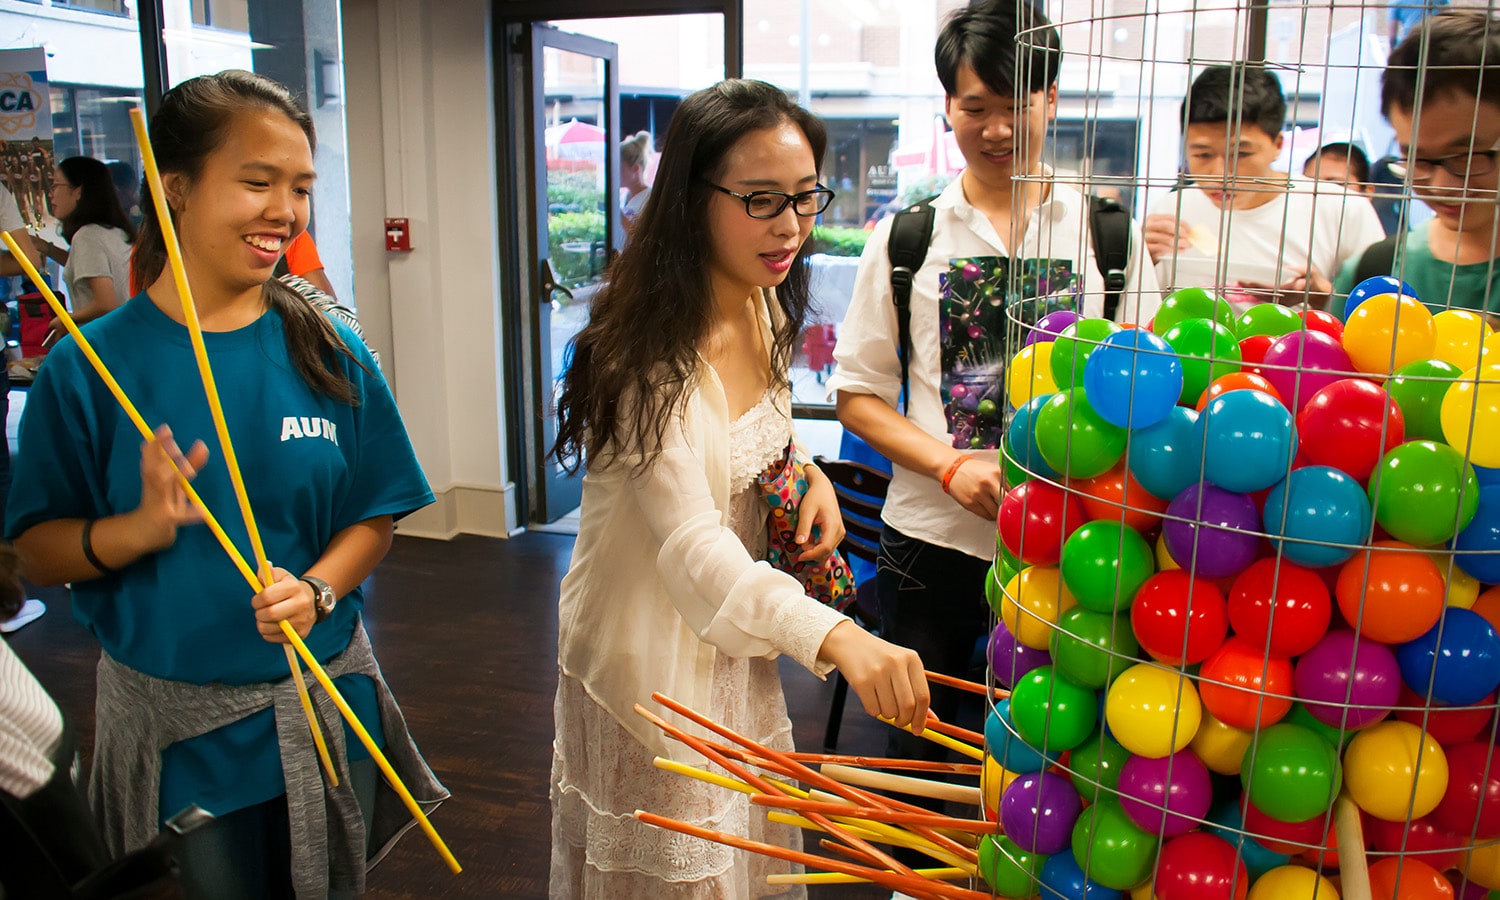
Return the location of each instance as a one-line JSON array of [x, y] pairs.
[[397, 234]]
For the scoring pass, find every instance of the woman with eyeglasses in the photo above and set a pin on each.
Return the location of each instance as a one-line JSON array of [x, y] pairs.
[[678, 397]]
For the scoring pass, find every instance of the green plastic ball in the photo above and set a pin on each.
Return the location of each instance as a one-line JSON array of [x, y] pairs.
[[1104, 563], [1073, 348], [1075, 439], [1091, 648], [1424, 493], [1208, 351], [1266, 318], [1007, 869], [1096, 765], [1113, 850], [1192, 303], [1291, 773], [1051, 713], [1418, 389]]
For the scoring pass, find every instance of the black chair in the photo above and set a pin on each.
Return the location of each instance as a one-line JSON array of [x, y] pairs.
[[861, 493]]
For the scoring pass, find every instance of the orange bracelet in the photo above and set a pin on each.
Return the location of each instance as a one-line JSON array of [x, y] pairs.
[[952, 468]]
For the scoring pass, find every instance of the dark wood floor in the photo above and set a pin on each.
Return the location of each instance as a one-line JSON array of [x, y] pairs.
[[466, 632]]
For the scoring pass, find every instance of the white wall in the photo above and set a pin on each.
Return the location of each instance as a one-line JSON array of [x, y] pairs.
[[419, 87]]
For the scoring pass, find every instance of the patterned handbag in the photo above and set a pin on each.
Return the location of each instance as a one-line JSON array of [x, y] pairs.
[[785, 483]]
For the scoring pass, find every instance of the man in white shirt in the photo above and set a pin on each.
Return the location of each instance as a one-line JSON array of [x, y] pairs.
[[1241, 224], [1003, 211]]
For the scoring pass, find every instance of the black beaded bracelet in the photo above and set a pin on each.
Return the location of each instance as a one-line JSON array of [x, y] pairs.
[[88, 548]]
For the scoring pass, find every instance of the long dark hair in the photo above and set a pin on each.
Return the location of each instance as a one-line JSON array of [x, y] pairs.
[[192, 122], [98, 202], [645, 325]]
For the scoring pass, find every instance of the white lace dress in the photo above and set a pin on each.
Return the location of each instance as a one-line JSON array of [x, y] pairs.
[[601, 774]]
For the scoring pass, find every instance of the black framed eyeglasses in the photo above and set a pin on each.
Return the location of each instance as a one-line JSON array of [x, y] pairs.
[[1460, 165], [770, 204]]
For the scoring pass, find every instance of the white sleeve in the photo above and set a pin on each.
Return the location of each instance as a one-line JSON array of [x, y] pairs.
[[743, 607], [1142, 291], [866, 356]]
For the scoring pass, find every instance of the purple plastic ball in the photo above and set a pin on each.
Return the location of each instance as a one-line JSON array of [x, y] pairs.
[[1348, 681], [1038, 812], [1051, 325], [1312, 361], [1223, 526], [1166, 796], [1010, 659]]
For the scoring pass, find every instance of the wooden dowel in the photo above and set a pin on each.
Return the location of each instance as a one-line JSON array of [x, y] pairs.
[[954, 731], [962, 685], [867, 762], [920, 787], [942, 740], [943, 874], [933, 820], [1354, 868]]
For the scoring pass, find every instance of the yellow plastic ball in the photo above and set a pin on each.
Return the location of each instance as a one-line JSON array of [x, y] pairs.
[[1030, 374], [1463, 588], [1153, 711], [1032, 601], [1388, 331], [1459, 337], [993, 780], [1293, 883], [1144, 892], [1221, 747], [1470, 414], [1482, 865], [1164, 560], [1394, 772]]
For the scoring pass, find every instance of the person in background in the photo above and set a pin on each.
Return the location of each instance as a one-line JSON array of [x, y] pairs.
[[303, 261], [128, 188], [96, 265], [1341, 163], [635, 155]]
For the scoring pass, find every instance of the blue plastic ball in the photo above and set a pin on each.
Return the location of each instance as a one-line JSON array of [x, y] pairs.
[[1020, 437], [1064, 880], [1463, 666], [1314, 508], [1168, 456], [1478, 546], [1249, 440], [1003, 742], [1133, 379], [1370, 287]]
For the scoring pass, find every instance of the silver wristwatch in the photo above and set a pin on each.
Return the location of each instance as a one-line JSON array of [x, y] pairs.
[[324, 597]]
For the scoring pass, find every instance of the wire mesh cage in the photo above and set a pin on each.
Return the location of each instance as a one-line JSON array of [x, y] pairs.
[[1245, 582]]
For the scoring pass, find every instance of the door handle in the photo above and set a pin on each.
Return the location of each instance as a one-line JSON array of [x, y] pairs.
[[549, 283]]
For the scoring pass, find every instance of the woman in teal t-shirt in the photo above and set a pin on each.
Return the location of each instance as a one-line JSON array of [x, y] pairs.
[[191, 660]]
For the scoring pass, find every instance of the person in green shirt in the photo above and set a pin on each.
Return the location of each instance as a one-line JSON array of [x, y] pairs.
[[1446, 115]]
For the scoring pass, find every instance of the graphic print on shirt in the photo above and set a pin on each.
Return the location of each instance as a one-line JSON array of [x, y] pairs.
[[308, 427], [981, 312]]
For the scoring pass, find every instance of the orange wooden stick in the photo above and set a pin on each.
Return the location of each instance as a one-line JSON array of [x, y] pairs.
[[897, 880], [892, 817], [954, 731], [971, 687], [868, 762]]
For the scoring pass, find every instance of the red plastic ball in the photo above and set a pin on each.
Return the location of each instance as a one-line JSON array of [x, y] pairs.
[[1253, 351], [1243, 687], [1422, 839], [1283, 601], [1035, 519], [1448, 725], [1200, 866], [1328, 323], [1404, 878], [1350, 425], [1179, 619], [1283, 837], [1471, 805]]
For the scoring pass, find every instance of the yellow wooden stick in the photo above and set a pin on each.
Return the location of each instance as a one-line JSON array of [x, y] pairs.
[[723, 781], [937, 738], [946, 874]]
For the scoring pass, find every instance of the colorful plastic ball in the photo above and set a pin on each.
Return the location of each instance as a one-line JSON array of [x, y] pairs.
[[1168, 456], [1221, 747], [999, 574], [1226, 821], [1424, 493], [1002, 742], [1270, 319], [1448, 725], [1075, 439], [1299, 715], [1038, 811], [1323, 322], [1030, 374], [1291, 773], [1113, 850], [1062, 879], [1051, 325], [1020, 438], [1152, 711], [1404, 878], [1208, 351], [1477, 547], [1192, 303], [1302, 363], [1253, 351], [1009, 658], [1419, 388], [1420, 838], [1104, 564], [1074, 346], [1118, 496], [1374, 287], [1237, 381], [1167, 796], [1133, 379], [1463, 588], [1248, 440], [1350, 425], [1281, 605], [1245, 688], [993, 780], [1293, 883], [1179, 619], [1051, 713], [1459, 336], [1318, 516], [1213, 532], [1200, 866], [1471, 805], [1164, 560], [1032, 603], [1482, 866], [1389, 593], [1456, 661], [1096, 765], [1388, 331], [1092, 648], [1395, 772], [1347, 682], [1035, 519], [1283, 837], [1471, 414], [1007, 869]]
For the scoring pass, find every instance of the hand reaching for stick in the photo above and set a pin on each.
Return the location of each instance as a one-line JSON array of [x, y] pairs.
[[889, 680]]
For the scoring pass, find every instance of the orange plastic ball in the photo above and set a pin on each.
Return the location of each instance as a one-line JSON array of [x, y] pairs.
[[1417, 880], [1116, 496], [1238, 381], [1392, 593], [1243, 687]]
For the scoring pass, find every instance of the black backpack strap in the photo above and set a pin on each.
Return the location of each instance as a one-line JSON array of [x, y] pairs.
[[1109, 228], [1378, 259], [911, 232]]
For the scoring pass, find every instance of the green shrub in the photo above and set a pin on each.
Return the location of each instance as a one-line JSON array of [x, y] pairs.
[[576, 243], [574, 192], [836, 240]]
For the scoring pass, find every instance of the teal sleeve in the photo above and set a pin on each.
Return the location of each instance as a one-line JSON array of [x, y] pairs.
[[1343, 283], [55, 471]]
